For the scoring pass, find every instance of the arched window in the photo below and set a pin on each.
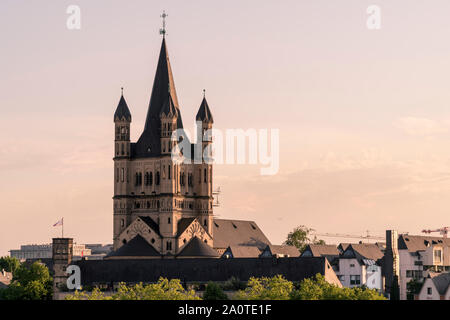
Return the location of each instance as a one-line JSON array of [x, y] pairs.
[[123, 149], [157, 178], [205, 176], [151, 178], [169, 172]]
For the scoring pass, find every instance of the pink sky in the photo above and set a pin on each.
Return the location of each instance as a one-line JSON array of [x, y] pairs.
[[363, 115]]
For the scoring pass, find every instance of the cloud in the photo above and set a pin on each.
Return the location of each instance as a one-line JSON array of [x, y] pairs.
[[420, 126]]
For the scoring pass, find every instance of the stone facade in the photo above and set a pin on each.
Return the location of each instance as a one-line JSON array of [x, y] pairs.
[[149, 184]]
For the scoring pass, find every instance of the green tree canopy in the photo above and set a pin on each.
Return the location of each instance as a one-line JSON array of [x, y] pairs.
[[300, 237], [9, 264], [164, 289], [214, 291], [275, 288], [30, 282], [318, 288]]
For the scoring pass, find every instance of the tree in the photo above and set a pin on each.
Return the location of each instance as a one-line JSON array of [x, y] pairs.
[[164, 289], [412, 288], [9, 264], [275, 288], [300, 238], [30, 282], [318, 288], [214, 292]]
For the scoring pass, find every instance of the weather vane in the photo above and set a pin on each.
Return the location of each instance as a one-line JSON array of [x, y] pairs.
[[163, 29]]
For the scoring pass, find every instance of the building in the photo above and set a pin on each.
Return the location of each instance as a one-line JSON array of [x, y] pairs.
[[34, 252], [168, 203], [419, 255], [361, 264], [279, 251], [329, 251], [5, 279], [435, 287], [241, 252]]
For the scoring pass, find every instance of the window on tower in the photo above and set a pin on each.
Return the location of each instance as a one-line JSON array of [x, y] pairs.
[[157, 178]]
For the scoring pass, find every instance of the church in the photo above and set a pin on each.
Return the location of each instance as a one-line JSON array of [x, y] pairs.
[[162, 208]]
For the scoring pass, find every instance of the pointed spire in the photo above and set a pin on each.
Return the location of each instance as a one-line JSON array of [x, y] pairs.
[[204, 114], [122, 110], [168, 108], [150, 139]]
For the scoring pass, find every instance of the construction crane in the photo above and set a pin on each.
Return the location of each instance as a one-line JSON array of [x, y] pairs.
[[443, 231], [350, 236]]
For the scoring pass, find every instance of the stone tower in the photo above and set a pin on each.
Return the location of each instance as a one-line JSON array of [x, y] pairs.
[[62, 257], [164, 202]]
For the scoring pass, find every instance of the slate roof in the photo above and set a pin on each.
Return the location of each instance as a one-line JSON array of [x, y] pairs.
[[419, 243], [149, 143], [136, 247], [183, 224], [441, 281], [152, 224], [243, 251], [238, 233], [122, 110], [363, 251], [197, 248], [169, 108], [198, 270], [204, 114], [323, 250], [283, 250]]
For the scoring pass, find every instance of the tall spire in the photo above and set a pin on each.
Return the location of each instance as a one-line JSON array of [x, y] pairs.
[[149, 142]]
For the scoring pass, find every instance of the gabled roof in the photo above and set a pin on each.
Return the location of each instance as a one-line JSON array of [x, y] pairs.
[[319, 250], [149, 143], [441, 281], [152, 224], [284, 250], [197, 248], [122, 110], [183, 223], [239, 233], [420, 243], [204, 114], [243, 251], [363, 251], [136, 247]]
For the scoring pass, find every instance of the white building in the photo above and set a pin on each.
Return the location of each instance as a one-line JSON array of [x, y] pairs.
[[44, 251], [360, 264], [435, 287], [420, 255]]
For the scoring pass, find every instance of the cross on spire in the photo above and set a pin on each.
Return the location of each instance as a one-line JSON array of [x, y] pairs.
[[163, 29]]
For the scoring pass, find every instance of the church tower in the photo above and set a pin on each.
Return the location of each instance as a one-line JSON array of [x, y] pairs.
[[166, 203], [204, 121], [122, 154]]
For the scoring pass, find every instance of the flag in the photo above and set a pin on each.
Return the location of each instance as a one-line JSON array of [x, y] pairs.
[[59, 223]]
